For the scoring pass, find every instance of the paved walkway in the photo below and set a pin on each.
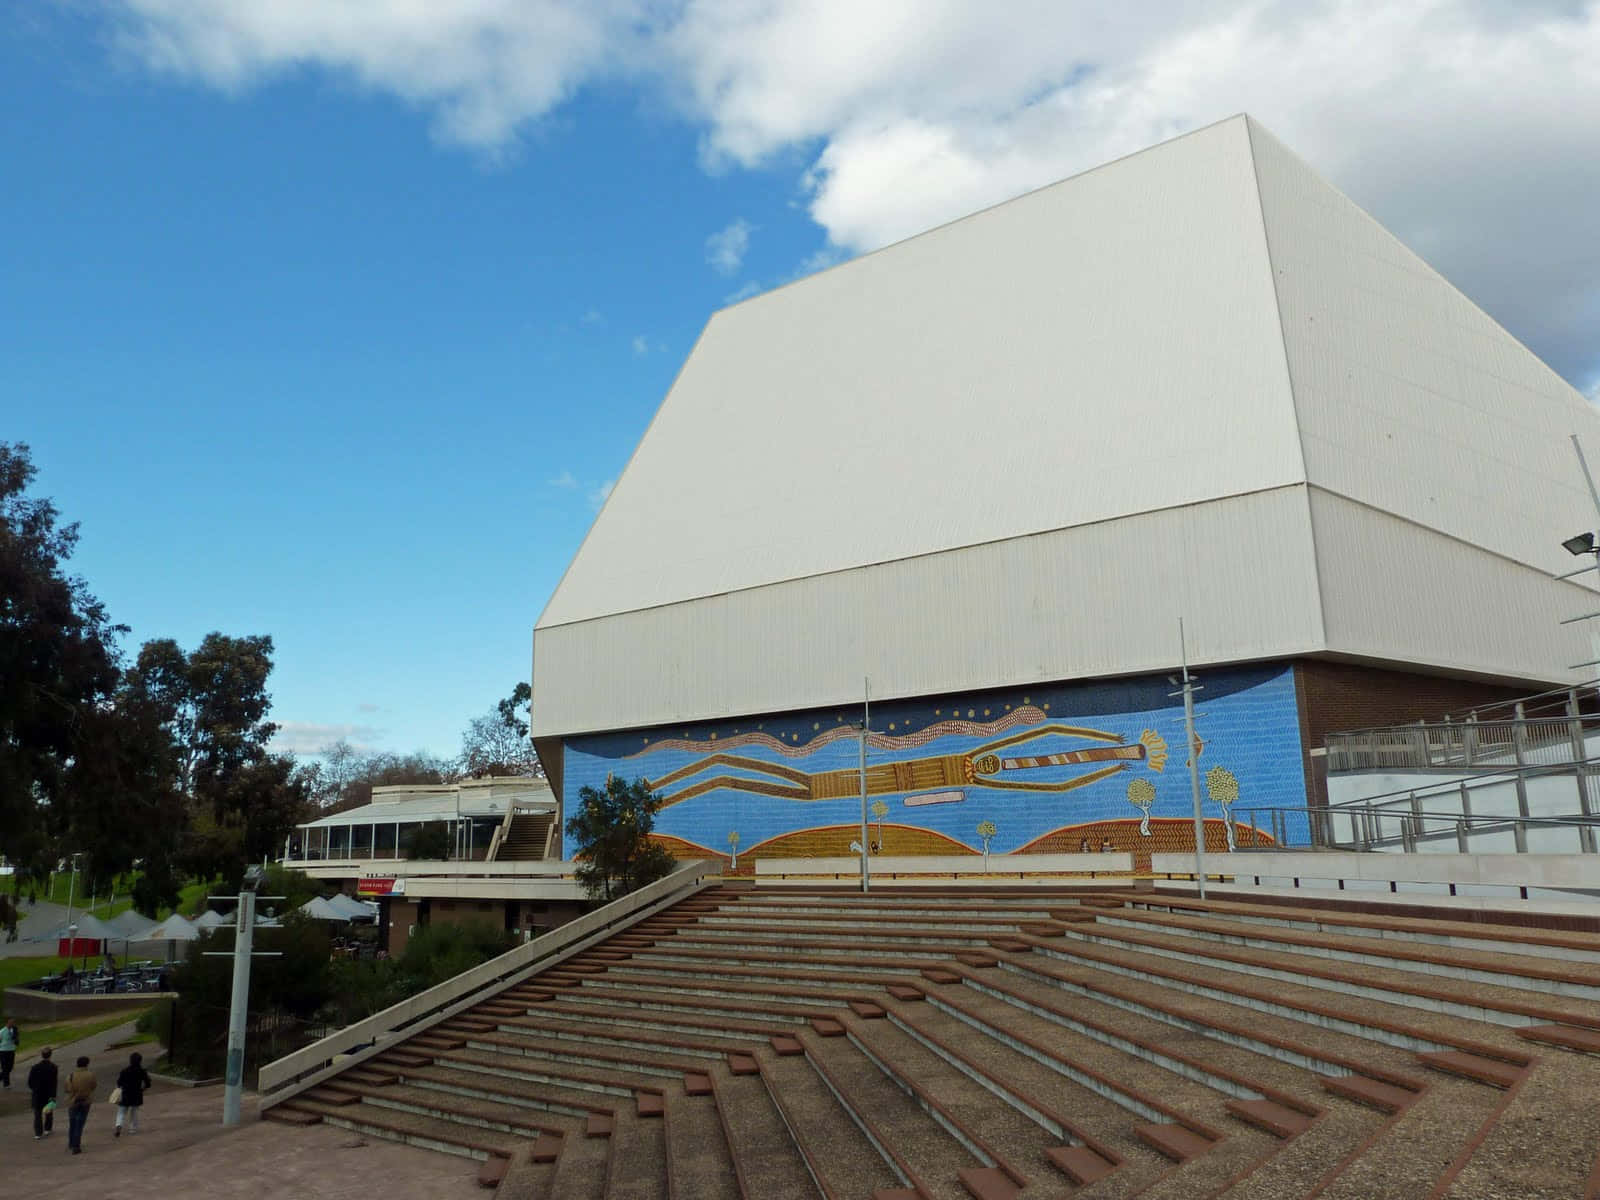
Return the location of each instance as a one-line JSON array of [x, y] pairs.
[[182, 1150]]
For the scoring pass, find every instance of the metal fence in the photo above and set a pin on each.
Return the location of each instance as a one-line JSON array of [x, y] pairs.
[[1412, 828]]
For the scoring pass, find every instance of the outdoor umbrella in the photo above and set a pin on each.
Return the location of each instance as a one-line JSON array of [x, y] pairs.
[[211, 918], [319, 909], [355, 910], [173, 930]]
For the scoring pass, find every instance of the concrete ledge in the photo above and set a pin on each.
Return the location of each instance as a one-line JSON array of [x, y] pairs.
[[1479, 870], [28, 1004], [945, 868]]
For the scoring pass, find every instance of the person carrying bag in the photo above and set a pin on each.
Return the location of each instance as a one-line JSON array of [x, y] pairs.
[[128, 1095]]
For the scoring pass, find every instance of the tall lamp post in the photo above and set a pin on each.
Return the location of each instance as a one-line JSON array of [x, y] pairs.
[[1189, 687], [238, 1010]]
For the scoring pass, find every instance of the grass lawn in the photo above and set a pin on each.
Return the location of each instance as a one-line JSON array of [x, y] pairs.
[[62, 1033], [15, 971]]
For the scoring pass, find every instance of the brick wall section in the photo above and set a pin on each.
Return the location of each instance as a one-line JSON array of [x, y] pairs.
[[1335, 696]]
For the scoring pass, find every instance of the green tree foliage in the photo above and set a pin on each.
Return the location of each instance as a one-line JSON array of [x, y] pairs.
[[288, 988], [442, 950], [430, 843], [58, 658], [345, 777], [497, 742], [611, 835]]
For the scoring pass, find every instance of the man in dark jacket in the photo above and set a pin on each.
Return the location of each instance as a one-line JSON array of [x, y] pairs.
[[43, 1086]]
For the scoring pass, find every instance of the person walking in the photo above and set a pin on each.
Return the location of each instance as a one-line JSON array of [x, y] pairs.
[[80, 1095], [131, 1082], [9, 1039], [43, 1084]]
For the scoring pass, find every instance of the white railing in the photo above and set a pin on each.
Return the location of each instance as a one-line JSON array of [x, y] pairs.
[[945, 866], [1336, 869], [443, 867], [293, 1073]]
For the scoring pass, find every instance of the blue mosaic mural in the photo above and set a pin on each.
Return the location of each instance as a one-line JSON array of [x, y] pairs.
[[1022, 769]]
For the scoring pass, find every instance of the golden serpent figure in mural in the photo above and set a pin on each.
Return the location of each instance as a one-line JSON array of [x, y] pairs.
[[983, 767]]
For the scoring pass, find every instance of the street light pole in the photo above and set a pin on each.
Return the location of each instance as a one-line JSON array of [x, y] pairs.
[[866, 724], [239, 1005], [1194, 763]]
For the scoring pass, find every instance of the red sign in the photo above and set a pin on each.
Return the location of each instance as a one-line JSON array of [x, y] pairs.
[[372, 886]]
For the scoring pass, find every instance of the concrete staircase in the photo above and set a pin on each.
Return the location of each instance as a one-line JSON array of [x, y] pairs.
[[527, 838], [785, 1042]]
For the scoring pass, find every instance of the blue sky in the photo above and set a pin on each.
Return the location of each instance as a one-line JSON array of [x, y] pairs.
[[337, 329]]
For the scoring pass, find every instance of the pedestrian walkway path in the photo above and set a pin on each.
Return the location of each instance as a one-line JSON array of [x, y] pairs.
[[182, 1151]]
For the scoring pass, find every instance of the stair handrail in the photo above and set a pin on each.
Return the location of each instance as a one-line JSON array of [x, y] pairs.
[[279, 1080]]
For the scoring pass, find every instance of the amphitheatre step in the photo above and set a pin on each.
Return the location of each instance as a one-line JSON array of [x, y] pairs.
[[1495, 1072], [1269, 1029], [1208, 1064], [493, 1170], [472, 1113], [766, 1160], [696, 1084], [1478, 1001], [839, 1153], [963, 1103], [482, 1085], [1385, 1097], [1080, 1164], [924, 1152], [287, 1114], [578, 1053], [1345, 1011], [596, 1033], [1411, 1152], [583, 1168], [1276, 1119], [905, 992], [398, 1126], [531, 1071], [1570, 1037], [659, 1021], [1173, 1141], [988, 1183], [636, 1163], [1506, 970], [1096, 1120], [698, 1160], [753, 1010], [1568, 945], [785, 1046]]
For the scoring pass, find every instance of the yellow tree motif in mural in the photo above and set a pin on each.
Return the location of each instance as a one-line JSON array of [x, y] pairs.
[[880, 810], [1223, 787], [986, 831], [733, 840], [1142, 794]]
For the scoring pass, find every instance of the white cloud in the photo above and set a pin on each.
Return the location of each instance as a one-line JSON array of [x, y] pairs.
[[599, 493], [311, 737], [367, 708], [564, 480], [593, 317], [743, 292], [725, 249], [641, 344], [1469, 127]]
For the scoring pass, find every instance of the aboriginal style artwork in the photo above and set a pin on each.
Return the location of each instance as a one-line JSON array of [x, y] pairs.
[[1042, 769]]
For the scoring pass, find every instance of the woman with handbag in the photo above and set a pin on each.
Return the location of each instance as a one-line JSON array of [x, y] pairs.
[[129, 1094]]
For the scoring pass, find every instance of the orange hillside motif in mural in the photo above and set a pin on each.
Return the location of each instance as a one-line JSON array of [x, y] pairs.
[[1167, 835], [827, 841], [984, 767]]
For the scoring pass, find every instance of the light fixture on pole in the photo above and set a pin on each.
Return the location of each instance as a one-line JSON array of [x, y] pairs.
[[239, 1007], [1582, 543]]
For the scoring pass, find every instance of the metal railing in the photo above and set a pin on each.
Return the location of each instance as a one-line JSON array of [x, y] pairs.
[[1543, 730], [1411, 828], [293, 1073]]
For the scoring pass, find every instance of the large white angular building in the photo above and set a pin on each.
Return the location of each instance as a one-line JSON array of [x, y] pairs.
[[991, 466]]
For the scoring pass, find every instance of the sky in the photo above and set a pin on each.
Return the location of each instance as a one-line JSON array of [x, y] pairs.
[[336, 320]]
